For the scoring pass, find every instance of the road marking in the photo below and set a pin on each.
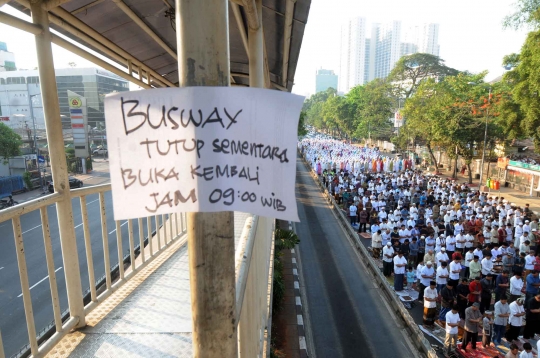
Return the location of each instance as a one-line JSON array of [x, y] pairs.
[[31, 229], [78, 225], [43, 279], [1, 268], [120, 226], [93, 201]]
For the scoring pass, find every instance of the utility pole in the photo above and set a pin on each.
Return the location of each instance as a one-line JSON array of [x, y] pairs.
[[485, 142], [203, 60]]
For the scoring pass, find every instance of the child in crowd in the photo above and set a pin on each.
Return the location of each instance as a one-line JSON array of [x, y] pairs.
[[411, 278], [487, 324]]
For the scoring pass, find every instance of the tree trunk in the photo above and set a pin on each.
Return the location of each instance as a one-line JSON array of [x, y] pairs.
[[470, 173], [433, 157], [455, 173]]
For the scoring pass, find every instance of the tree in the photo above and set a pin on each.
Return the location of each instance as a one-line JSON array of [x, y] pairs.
[[373, 109], [411, 70], [302, 131], [10, 143], [527, 14], [526, 90]]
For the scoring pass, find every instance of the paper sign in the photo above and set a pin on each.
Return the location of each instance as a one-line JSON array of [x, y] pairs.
[[203, 149]]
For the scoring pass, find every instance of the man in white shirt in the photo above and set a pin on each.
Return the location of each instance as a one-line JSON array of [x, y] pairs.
[[460, 243], [469, 257], [430, 304], [519, 231], [388, 256], [452, 322], [426, 275], [455, 270], [441, 256], [530, 260], [442, 276], [469, 241], [527, 227], [400, 262], [352, 213], [487, 265], [515, 320], [516, 285]]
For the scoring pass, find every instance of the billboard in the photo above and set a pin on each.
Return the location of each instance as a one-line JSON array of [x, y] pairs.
[[77, 112], [398, 119]]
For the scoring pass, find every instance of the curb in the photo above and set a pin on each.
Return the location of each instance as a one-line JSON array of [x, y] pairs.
[[298, 300]]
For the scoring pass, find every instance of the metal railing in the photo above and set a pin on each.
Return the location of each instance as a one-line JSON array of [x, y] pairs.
[[254, 277], [168, 228]]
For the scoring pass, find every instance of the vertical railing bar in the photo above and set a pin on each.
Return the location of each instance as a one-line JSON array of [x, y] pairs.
[[25, 285], [182, 222], [50, 268], [88, 249], [170, 228], [149, 230], [175, 225], [141, 239], [158, 229], [120, 250], [105, 238], [164, 230], [2, 354], [131, 245], [185, 222]]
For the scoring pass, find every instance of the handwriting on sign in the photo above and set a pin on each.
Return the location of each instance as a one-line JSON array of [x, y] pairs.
[[202, 149]]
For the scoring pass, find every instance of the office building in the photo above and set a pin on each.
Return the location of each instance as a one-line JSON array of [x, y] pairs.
[[353, 53], [20, 89], [7, 59], [365, 59], [325, 79]]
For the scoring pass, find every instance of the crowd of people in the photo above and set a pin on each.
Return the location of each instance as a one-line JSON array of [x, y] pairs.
[[459, 248], [524, 158]]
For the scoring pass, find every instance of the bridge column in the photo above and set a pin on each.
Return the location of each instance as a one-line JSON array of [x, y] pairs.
[[55, 139], [203, 60]]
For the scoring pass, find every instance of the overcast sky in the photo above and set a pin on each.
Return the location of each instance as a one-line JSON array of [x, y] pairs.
[[471, 36]]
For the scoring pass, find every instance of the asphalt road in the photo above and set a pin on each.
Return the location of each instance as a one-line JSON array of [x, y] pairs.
[[12, 318], [346, 314]]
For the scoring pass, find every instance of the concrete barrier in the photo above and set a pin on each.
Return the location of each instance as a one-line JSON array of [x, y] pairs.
[[418, 338]]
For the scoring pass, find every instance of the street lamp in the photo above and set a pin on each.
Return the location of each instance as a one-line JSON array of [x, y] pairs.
[[485, 137]]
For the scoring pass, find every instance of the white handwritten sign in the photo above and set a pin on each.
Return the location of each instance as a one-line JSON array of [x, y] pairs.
[[203, 149]]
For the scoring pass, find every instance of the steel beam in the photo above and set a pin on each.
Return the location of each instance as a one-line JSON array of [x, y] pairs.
[[203, 60], [256, 51], [53, 125], [20, 24], [51, 4], [127, 10], [289, 15], [254, 21]]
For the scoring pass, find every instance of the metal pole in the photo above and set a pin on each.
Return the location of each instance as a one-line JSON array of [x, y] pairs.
[[53, 125], [485, 142], [35, 134], [203, 60]]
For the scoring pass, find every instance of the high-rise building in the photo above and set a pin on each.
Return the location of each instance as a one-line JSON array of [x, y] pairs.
[[353, 53], [365, 59], [325, 79], [7, 59], [20, 89]]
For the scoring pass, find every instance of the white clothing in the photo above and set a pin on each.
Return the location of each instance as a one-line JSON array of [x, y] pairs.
[[442, 271], [452, 318], [430, 293], [515, 309], [399, 260], [388, 251], [487, 266], [454, 266], [516, 285]]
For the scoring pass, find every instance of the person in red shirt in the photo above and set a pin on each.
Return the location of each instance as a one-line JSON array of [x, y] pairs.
[[475, 289], [502, 235]]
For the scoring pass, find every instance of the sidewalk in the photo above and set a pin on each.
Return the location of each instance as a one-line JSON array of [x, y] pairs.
[[99, 175], [515, 197]]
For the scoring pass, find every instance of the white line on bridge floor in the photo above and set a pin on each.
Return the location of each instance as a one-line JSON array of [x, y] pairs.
[[120, 226], [1, 268], [43, 279]]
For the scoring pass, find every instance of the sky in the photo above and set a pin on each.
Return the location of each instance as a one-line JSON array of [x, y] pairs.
[[471, 35]]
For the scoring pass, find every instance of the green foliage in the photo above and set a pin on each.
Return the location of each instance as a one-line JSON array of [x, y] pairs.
[[284, 240], [89, 163], [527, 15], [526, 90], [27, 178], [10, 143], [411, 70], [70, 153]]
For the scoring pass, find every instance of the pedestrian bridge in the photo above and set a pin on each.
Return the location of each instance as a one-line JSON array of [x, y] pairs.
[[184, 284]]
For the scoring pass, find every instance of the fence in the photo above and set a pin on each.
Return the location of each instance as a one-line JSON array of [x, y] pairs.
[[172, 227]]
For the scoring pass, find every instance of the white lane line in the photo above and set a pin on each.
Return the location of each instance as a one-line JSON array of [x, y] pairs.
[[24, 232], [93, 201], [120, 226], [1, 268], [43, 279], [78, 225]]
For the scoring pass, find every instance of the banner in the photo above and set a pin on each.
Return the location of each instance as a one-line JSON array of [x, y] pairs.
[[203, 149], [502, 163], [77, 112], [398, 119]]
